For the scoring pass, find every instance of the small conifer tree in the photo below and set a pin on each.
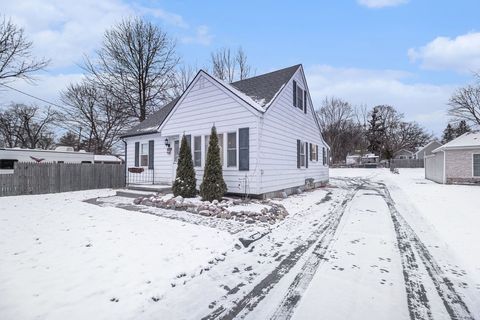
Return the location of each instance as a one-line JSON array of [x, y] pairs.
[[213, 186], [185, 182]]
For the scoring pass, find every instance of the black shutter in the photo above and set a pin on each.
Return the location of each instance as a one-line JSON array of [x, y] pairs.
[[298, 153], [311, 153], [324, 156], [316, 149], [137, 154], [243, 149], [306, 155], [294, 93], [150, 154], [305, 101]]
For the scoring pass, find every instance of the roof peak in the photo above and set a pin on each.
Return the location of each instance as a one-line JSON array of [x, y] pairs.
[[296, 66]]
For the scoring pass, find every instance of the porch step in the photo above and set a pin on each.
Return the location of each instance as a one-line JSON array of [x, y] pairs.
[[134, 193], [153, 188]]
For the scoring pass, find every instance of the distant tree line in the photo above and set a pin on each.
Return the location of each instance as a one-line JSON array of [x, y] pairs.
[[381, 130]]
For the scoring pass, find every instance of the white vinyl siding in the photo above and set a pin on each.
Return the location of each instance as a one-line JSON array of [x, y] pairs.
[[283, 124], [232, 149], [195, 115]]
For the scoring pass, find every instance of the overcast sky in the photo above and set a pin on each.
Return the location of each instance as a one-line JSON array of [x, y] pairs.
[[409, 54]]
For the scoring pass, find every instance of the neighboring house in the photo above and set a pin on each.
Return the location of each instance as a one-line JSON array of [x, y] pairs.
[[353, 160], [403, 154], [61, 154], [427, 149], [269, 135], [366, 160], [457, 161]]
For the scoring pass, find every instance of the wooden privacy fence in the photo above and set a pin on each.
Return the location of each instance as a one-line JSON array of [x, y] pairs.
[[39, 178], [407, 163]]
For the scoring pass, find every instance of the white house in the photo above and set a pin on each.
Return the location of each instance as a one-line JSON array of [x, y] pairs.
[[269, 134]]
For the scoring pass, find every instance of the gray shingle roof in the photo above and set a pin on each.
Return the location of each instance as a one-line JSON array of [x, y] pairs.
[[262, 89], [152, 122]]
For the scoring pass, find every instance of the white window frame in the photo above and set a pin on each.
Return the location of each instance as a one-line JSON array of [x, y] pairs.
[[195, 151], [473, 164], [231, 149], [314, 152], [300, 98], [302, 145], [221, 146], [176, 150], [143, 153]]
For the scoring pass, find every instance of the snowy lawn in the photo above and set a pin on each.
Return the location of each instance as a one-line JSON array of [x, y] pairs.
[[62, 258]]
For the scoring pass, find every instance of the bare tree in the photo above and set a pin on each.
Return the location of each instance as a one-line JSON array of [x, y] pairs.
[[341, 128], [230, 66], [96, 113], [244, 69], [27, 126], [465, 103], [16, 61], [136, 64], [184, 76]]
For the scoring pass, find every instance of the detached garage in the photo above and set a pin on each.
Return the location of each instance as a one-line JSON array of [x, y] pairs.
[[455, 162]]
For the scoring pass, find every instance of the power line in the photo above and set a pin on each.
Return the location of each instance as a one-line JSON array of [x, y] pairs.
[[31, 96]]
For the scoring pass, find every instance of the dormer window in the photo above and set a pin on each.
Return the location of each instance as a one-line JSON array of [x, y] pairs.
[[299, 97]]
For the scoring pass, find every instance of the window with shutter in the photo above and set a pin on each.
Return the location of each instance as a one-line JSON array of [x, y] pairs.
[[298, 153], [476, 165], [151, 154], [305, 101], [302, 154], [299, 98], [231, 149], [306, 154], [243, 149], [137, 154], [294, 93], [144, 155], [197, 151]]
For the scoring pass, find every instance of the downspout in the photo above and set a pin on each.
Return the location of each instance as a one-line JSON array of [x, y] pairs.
[[125, 145], [444, 166], [259, 141]]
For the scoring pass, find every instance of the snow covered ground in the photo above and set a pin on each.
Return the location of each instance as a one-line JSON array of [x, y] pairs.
[[62, 258], [372, 245]]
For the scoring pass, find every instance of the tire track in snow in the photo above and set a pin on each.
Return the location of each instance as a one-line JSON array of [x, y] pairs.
[[322, 236], [418, 304]]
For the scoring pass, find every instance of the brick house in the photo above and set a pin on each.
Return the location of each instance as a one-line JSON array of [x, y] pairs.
[[457, 161]]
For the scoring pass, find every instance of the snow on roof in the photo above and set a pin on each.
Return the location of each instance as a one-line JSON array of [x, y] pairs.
[[466, 140], [238, 93], [420, 149], [105, 158]]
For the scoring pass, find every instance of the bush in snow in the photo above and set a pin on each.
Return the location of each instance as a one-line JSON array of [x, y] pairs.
[[185, 182], [213, 186]]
